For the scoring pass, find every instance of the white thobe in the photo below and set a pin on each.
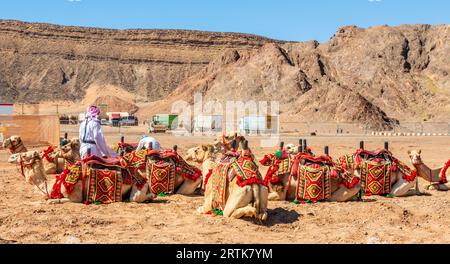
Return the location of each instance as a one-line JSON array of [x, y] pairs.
[[90, 134]]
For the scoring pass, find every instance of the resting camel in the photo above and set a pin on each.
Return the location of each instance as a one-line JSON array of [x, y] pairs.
[[187, 177], [282, 176], [239, 197], [32, 169], [14, 144], [401, 178], [436, 176]]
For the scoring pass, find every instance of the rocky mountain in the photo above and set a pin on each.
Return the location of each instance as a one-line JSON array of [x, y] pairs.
[[42, 62], [375, 76]]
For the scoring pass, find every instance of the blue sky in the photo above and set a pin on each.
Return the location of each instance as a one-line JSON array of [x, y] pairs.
[[283, 19]]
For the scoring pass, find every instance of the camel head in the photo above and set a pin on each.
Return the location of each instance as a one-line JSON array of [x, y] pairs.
[[12, 143], [200, 153], [226, 140], [71, 150], [414, 156], [31, 165], [291, 149]]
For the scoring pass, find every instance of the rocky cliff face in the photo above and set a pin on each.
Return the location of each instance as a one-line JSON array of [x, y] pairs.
[[42, 62], [376, 76], [373, 76]]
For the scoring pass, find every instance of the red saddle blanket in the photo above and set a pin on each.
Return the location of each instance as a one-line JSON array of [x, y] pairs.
[[246, 173], [277, 167], [375, 177], [313, 184], [314, 175], [104, 186], [104, 177], [161, 177]]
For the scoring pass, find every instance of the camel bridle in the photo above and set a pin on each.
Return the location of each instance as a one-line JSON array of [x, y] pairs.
[[30, 165]]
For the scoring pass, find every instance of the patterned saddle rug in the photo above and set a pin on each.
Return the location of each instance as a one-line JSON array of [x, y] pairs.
[[376, 168], [314, 176], [246, 173], [162, 167], [375, 177], [68, 178], [278, 166], [161, 177], [220, 181]]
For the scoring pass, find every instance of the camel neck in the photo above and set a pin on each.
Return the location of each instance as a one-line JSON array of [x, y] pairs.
[[424, 171]]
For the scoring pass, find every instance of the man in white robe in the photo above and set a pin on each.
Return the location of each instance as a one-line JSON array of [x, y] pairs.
[[145, 142], [91, 136]]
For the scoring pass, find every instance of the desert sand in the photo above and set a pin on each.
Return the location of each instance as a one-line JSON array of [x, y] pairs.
[[25, 218]]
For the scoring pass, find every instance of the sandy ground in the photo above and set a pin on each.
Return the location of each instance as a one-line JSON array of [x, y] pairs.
[[24, 218]]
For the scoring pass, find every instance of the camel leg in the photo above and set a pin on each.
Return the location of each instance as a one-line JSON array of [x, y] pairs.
[[264, 194], [206, 205], [188, 187], [439, 187], [140, 196], [401, 187], [58, 201], [248, 210], [343, 194], [239, 199]]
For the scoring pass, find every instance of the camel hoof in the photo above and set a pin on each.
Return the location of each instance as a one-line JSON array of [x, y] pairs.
[[252, 213], [431, 187], [263, 216], [200, 210]]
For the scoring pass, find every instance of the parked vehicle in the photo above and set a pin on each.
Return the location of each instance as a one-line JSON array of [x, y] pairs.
[[128, 121], [104, 122]]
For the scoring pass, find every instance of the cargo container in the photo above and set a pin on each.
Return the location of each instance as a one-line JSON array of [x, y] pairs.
[[254, 124], [208, 123]]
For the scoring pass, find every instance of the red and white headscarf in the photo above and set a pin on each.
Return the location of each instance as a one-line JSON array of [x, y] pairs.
[[92, 112]]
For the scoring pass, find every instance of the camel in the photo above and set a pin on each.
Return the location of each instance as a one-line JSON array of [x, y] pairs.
[[401, 179], [223, 143], [282, 177], [436, 176], [187, 177], [239, 198], [14, 144], [57, 159], [32, 169]]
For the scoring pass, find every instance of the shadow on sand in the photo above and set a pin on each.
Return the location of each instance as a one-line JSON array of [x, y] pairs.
[[281, 216]]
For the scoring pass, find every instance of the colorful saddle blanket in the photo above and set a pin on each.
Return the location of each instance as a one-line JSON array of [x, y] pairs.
[[161, 177], [277, 167], [246, 173], [314, 175], [246, 170], [375, 177], [104, 186], [313, 184], [68, 178], [220, 181], [105, 178]]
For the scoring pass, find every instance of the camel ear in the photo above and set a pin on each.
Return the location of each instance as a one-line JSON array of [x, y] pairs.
[[420, 151], [409, 152], [204, 147]]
